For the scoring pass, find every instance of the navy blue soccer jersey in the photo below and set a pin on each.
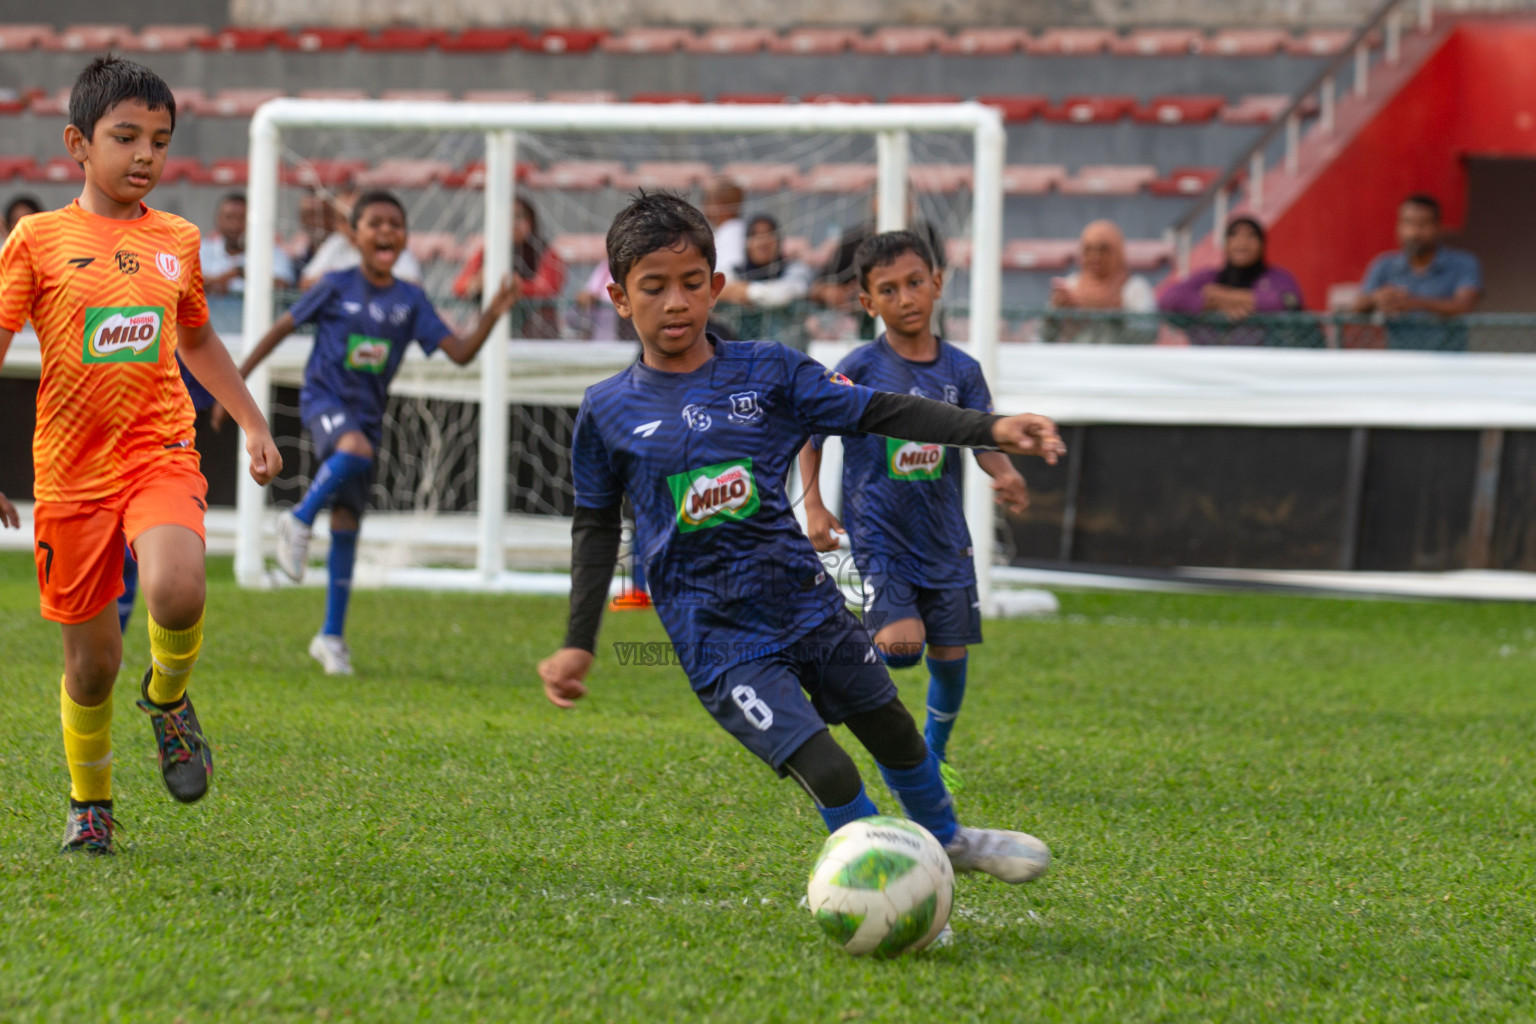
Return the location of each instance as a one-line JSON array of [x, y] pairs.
[[361, 334], [704, 457], [902, 501]]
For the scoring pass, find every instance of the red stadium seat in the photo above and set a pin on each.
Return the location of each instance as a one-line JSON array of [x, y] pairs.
[[326, 174], [184, 168], [649, 40], [430, 246], [581, 249], [89, 38], [168, 38], [247, 39], [903, 40], [50, 104], [229, 172], [838, 97], [188, 99], [923, 97], [576, 175], [417, 95], [1255, 109], [237, 102], [333, 94], [1322, 42], [16, 167], [1184, 181], [487, 40], [319, 40], [581, 96], [957, 253], [1108, 180], [732, 40], [568, 40], [986, 42], [1091, 109], [56, 170], [404, 39], [1159, 42], [762, 178], [399, 173], [1072, 41], [1032, 179], [816, 40], [1147, 253], [1017, 108], [1180, 109], [750, 97], [24, 37], [1248, 42], [666, 97], [13, 102], [472, 174], [1039, 253], [498, 96], [672, 174], [940, 177], [839, 178]]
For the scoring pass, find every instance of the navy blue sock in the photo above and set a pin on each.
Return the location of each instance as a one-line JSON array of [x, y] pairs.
[[946, 692], [924, 798], [335, 471], [338, 588], [860, 806], [130, 589]]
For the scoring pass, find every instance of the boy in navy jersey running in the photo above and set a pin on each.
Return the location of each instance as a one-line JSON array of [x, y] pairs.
[[365, 318], [699, 433], [902, 500]]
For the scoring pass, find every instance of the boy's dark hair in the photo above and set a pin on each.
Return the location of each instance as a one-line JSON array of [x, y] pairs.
[[108, 81], [652, 221], [883, 249], [367, 199], [1425, 200], [231, 197]]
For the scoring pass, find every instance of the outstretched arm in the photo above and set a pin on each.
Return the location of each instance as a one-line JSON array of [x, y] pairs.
[[929, 422], [208, 359], [462, 350], [820, 523], [263, 348], [595, 537]]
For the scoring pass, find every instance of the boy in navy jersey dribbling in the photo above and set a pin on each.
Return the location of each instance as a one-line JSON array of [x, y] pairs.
[[902, 501], [700, 433], [365, 318]]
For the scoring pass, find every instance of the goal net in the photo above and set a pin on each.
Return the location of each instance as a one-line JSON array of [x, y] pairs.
[[473, 487]]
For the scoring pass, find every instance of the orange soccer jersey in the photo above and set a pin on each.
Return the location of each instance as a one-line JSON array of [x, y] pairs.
[[105, 297]]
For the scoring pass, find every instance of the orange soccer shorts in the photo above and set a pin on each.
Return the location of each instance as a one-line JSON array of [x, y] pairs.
[[79, 544]]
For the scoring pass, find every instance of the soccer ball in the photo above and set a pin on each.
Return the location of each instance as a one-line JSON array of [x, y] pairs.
[[882, 886]]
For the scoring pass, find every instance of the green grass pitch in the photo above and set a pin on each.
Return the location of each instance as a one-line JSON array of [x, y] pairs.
[[1261, 808]]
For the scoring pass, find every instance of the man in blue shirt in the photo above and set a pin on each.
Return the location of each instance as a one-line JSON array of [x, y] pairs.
[[365, 319], [699, 434], [1425, 285]]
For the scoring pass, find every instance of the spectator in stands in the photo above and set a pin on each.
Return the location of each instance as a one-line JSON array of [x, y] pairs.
[[1103, 283], [722, 206], [317, 222], [766, 287], [539, 271], [837, 286], [338, 252], [1424, 284], [1245, 283], [17, 208], [223, 254]]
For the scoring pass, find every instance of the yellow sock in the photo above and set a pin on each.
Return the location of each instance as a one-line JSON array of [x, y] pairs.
[[173, 652], [88, 747]]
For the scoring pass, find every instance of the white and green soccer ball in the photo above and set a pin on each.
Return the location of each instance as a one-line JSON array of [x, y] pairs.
[[882, 886]]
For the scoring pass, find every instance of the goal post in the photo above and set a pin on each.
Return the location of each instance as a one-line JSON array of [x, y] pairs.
[[502, 126]]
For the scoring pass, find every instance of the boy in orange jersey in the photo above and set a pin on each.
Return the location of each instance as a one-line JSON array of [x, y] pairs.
[[114, 291]]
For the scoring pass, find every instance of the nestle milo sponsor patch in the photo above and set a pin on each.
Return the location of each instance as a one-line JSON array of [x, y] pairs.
[[711, 495], [122, 334], [370, 355], [908, 460]]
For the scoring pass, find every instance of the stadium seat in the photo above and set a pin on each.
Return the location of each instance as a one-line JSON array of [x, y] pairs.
[[923, 97], [669, 174], [90, 38], [986, 42], [237, 102], [184, 168], [1321, 42], [1071, 41], [50, 104], [1184, 181], [581, 249], [1179, 109], [581, 96], [403, 173], [1108, 180], [1159, 42], [731, 40], [487, 40], [168, 38], [1017, 108], [1255, 109], [24, 37], [763, 178], [1248, 42], [418, 95], [568, 40], [903, 40], [430, 246], [498, 96], [665, 97], [1032, 179], [57, 170], [649, 40], [327, 174], [576, 175], [333, 94], [247, 39], [957, 253], [16, 167], [750, 97], [325, 39], [13, 102], [1090, 109], [233, 171], [1039, 253], [816, 40], [940, 177], [838, 97], [400, 38], [1147, 253], [839, 178]]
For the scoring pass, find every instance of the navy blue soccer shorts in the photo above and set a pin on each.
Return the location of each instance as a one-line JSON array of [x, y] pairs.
[[325, 428], [777, 702], [951, 616]]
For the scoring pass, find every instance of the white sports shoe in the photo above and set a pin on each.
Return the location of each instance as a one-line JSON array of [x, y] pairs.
[[332, 653], [293, 546], [1012, 857]]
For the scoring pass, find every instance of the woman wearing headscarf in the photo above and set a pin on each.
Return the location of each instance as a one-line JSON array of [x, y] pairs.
[[1103, 283], [1243, 285], [761, 298], [540, 275]]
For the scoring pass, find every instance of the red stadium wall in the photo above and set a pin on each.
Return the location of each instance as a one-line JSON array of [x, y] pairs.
[[1475, 96]]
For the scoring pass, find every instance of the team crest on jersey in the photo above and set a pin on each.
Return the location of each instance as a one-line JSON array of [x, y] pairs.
[[399, 313], [908, 460], [368, 355], [127, 262], [168, 265], [951, 394], [838, 378], [714, 495], [122, 334], [745, 407], [697, 417]]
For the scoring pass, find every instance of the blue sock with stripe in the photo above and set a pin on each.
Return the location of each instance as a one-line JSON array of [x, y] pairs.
[[860, 806], [338, 587], [333, 472], [924, 798], [946, 692]]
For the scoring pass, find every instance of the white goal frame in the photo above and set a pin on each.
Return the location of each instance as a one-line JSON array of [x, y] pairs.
[[889, 124]]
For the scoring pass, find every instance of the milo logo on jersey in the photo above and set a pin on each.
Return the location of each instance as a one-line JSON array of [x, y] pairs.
[[908, 460], [370, 355], [713, 495], [122, 334]]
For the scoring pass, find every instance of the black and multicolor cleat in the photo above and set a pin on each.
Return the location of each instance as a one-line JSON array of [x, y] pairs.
[[186, 759], [89, 827]]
